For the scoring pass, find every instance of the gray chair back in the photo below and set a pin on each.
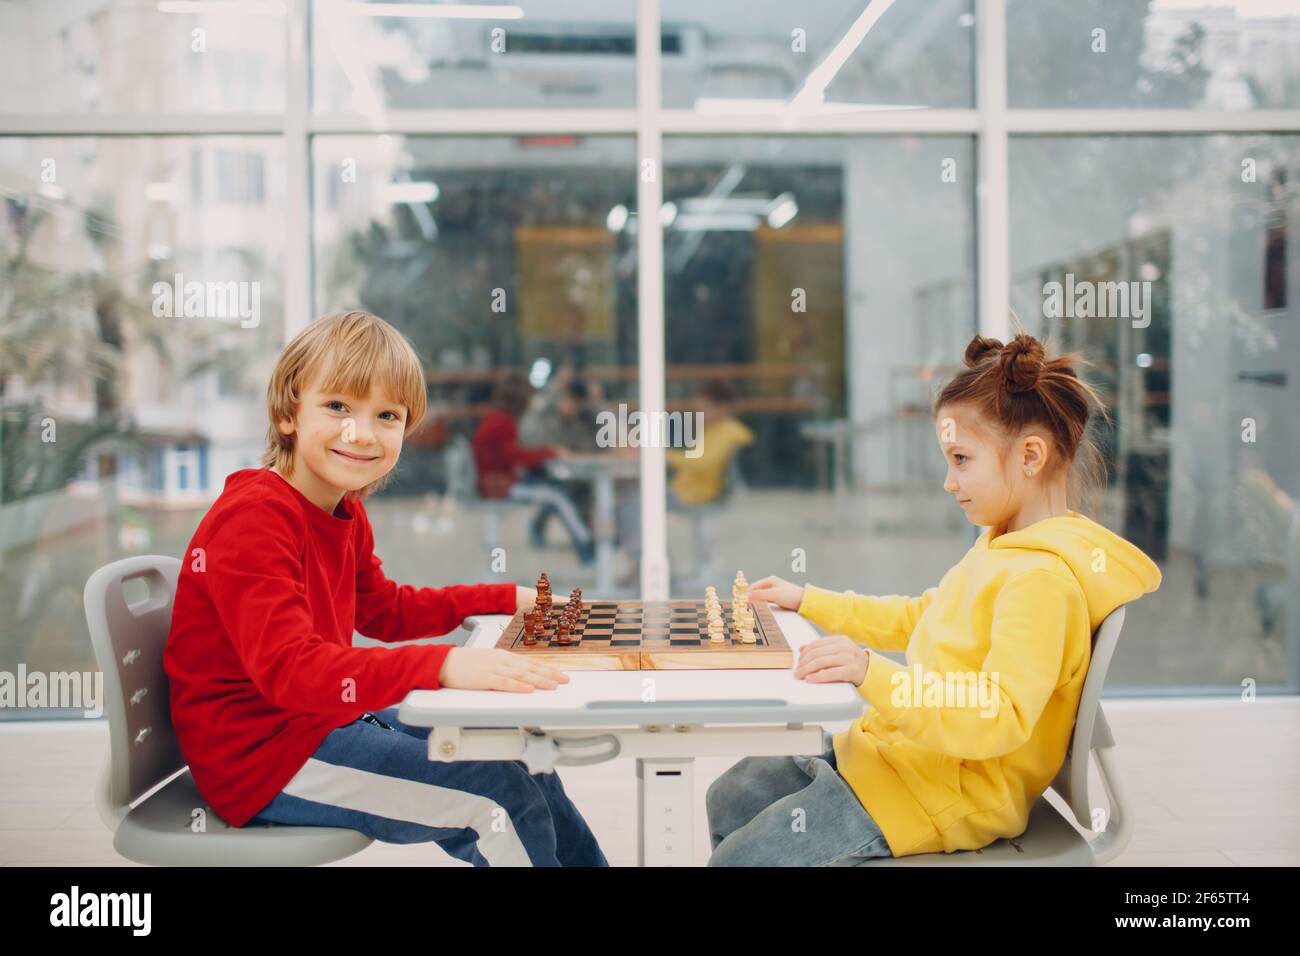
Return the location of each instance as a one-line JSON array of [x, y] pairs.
[[1091, 732], [128, 638]]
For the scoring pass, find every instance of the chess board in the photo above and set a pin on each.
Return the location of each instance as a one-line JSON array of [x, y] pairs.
[[653, 635]]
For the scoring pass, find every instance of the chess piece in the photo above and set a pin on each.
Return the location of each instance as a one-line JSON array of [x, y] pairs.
[[563, 637]]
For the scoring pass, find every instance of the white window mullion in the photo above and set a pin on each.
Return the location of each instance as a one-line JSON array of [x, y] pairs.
[[298, 280], [992, 199], [650, 299]]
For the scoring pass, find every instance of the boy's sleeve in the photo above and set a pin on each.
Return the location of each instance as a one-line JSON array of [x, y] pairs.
[[387, 611], [254, 577], [1007, 696], [883, 623]]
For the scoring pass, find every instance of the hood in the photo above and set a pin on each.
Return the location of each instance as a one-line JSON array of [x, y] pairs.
[[1110, 570]]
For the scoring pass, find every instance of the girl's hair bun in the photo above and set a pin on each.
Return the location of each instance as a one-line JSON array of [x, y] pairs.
[[979, 349], [1021, 362]]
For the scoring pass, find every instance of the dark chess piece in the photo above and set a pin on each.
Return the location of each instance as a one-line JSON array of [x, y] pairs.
[[562, 635]]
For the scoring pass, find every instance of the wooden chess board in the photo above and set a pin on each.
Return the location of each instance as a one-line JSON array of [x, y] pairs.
[[653, 635]]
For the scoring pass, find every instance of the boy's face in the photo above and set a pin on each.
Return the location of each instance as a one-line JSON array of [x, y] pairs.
[[978, 476], [345, 442]]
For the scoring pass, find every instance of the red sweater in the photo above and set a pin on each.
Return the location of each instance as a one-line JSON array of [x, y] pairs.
[[260, 656], [498, 455]]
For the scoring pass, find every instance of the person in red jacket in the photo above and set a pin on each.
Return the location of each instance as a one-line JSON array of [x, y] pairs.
[[506, 469], [281, 719]]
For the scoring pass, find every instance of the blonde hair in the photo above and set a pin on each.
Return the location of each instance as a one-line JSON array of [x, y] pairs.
[[351, 352]]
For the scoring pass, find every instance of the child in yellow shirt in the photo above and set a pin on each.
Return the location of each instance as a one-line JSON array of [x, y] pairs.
[[958, 743]]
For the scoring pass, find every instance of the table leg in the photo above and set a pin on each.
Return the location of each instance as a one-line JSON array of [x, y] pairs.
[[604, 533], [841, 467], [665, 822]]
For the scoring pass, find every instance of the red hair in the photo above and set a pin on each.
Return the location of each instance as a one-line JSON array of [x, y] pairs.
[[1018, 386]]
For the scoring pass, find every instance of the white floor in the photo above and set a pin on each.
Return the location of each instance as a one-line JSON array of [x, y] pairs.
[[1212, 782]]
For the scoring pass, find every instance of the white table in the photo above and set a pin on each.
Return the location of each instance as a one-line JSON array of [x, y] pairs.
[[662, 719], [601, 469]]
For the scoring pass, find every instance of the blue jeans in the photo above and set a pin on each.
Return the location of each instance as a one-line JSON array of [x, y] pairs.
[[375, 775], [789, 811]]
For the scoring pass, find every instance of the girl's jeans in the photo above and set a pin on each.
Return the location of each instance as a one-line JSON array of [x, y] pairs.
[[789, 811]]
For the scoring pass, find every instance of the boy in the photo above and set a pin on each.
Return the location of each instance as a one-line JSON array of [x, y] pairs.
[[271, 703]]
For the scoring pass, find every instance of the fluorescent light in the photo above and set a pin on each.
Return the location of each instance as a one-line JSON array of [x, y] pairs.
[[222, 6], [450, 11], [539, 373], [755, 206], [712, 222], [617, 218], [162, 192], [159, 251], [1144, 360], [416, 192], [667, 213], [783, 209], [51, 191]]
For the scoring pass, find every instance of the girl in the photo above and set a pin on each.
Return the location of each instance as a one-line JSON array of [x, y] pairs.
[[958, 744]]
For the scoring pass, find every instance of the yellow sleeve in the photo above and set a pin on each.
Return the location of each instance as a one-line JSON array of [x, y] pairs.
[[1006, 697], [884, 623]]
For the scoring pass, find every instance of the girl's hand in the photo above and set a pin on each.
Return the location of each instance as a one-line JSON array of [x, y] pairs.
[[526, 598], [486, 668], [777, 591], [833, 658]]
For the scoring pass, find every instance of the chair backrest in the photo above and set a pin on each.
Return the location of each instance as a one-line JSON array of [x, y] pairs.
[[128, 639], [1091, 732]]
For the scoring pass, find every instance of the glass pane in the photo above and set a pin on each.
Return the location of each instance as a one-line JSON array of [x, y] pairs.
[[123, 405], [106, 56], [815, 287], [546, 53], [510, 263], [736, 55], [1168, 262], [1154, 54]]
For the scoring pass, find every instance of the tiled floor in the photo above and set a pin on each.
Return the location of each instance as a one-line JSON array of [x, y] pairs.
[[1212, 783]]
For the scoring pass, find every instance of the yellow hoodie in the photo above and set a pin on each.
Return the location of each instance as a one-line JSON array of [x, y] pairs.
[[943, 761]]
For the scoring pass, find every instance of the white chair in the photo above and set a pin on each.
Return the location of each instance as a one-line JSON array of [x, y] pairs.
[[159, 826], [1050, 839]]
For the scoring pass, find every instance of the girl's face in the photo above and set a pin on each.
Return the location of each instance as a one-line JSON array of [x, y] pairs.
[[343, 442], [989, 474]]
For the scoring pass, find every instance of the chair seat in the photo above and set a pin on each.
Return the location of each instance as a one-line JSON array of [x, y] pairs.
[[1048, 840], [158, 832]]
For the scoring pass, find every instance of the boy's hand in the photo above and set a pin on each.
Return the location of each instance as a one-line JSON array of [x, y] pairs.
[[777, 591], [486, 668], [526, 598], [833, 658]]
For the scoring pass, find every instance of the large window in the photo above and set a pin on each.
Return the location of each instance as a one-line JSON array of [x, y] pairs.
[[831, 197], [141, 312]]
